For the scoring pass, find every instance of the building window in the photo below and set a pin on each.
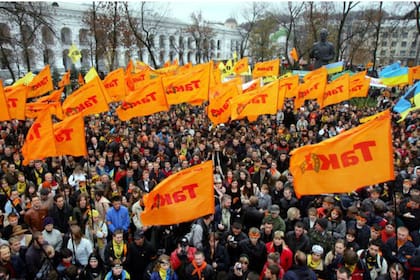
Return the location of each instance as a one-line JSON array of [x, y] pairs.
[[66, 36], [219, 45], [403, 44], [394, 44], [395, 35], [384, 43], [383, 53], [412, 53], [385, 35], [392, 52], [402, 53], [83, 37], [405, 35]]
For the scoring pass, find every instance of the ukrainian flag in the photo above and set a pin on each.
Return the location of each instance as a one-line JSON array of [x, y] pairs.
[[389, 68], [410, 101], [334, 67], [395, 77]]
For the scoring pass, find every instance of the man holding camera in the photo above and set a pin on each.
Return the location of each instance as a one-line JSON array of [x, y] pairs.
[[182, 256]]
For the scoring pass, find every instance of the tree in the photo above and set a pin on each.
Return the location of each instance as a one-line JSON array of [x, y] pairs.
[[251, 14], [417, 18], [378, 17], [144, 25], [202, 33], [346, 8], [288, 22], [29, 18], [261, 45]]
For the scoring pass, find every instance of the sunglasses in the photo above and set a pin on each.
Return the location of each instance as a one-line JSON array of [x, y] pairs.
[[164, 263]]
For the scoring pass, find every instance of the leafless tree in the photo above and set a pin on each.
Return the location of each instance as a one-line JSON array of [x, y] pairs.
[[202, 33], [251, 14]]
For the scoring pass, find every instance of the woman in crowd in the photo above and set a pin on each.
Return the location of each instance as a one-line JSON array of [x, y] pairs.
[[80, 246], [163, 269]]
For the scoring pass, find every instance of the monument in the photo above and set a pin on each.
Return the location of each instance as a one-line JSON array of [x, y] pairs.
[[322, 51]]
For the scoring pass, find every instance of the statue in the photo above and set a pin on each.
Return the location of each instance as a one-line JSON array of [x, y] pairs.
[[322, 51]]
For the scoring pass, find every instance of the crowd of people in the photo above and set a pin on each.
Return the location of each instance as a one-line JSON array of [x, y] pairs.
[[80, 217]]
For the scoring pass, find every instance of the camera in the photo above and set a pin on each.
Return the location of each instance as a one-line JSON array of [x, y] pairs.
[[232, 242], [238, 266]]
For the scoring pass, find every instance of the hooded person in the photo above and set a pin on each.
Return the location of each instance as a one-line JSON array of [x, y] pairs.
[[94, 270]]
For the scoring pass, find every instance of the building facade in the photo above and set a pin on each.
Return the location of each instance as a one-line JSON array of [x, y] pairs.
[[53, 47]]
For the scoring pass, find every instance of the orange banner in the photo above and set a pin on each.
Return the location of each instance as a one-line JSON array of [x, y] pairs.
[[88, 99], [145, 101], [115, 85], [139, 79], [355, 158], [4, 113], [33, 109], [65, 80], [41, 83], [39, 142], [54, 96], [311, 89], [259, 102], [218, 109], [281, 95], [266, 68], [219, 89], [16, 101], [189, 87], [251, 85], [336, 91], [291, 85], [70, 136], [80, 80], [359, 85], [313, 73], [183, 196], [241, 66], [413, 74]]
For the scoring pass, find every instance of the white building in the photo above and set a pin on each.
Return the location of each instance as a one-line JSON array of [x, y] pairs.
[[70, 29]]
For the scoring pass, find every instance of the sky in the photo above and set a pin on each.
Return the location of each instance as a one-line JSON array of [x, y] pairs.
[[217, 11]]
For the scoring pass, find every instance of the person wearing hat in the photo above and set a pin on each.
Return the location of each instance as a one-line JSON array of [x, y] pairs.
[[94, 270], [140, 254], [319, 235], [52, 235], [96, 231], [315, 261], [182, 256], [328, 204], [117, 272], [274, 217]]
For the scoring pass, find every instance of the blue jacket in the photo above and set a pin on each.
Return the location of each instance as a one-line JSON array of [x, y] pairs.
[[119, 219], [300, 273], [155, 276], [124, 276]]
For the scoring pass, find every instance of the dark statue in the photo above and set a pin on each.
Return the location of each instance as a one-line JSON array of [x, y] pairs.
[[322, 51]]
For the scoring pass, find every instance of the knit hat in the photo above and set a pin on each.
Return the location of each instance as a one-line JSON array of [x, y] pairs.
[[48, 221], [316, 249]]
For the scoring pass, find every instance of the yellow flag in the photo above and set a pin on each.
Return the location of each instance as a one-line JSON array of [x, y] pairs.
[[91, 74], [25, 80], [74, 54]]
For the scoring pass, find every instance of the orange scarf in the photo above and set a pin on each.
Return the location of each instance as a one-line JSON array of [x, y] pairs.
[[197, 269]]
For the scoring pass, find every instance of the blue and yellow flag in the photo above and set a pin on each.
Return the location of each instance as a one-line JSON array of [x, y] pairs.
[[398, 76], [410, 101], [335, 67]]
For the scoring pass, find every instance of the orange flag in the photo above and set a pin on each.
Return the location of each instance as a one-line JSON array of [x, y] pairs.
[[189, 87], [65, 80], [139, 78], [413, 74], [16, 101], [294, 55], [88, 99], [219, 89], [355, 158], [81, 80], [70, 136], [130, 67], [311, 89], [267, 68], [218, 109], [34, 108], [255, 103], [183, 196], [251, 85], [359, 85], [41, 83], [314, 73], [144, 101], [291, 85], [281, 95], [4, 113], [241, 66], [39, 142], [115, 85], [55, 96], [336, 91]]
